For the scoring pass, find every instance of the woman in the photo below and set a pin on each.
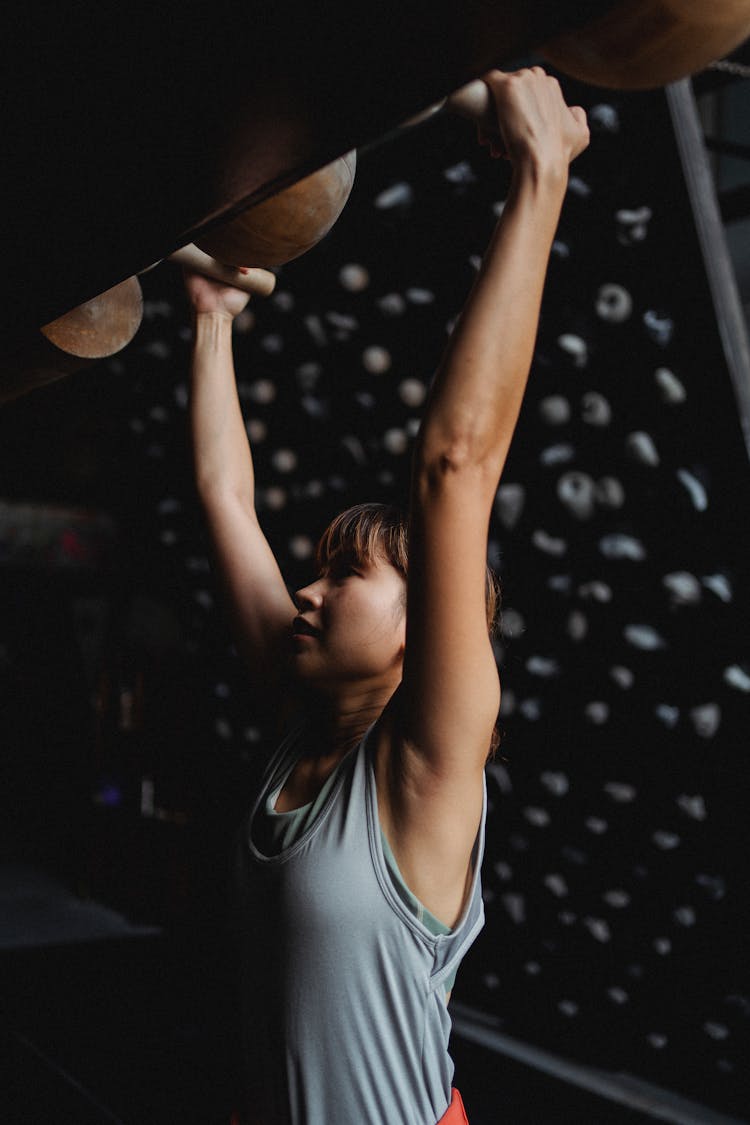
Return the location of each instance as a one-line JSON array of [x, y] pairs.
[[360, 863]]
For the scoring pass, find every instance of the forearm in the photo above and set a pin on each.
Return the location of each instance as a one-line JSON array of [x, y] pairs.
[[479, 387], [221, 451]]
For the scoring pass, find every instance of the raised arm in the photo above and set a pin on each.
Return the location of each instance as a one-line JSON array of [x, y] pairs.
[[450, 694], [259, 603]]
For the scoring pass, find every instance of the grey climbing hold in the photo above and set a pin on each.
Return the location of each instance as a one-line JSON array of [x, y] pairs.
[[667, 714], [666, 841], [693, 806], [598, 928], [672, 390], [706, 719], [695, 489], [641, 448], [610, 493], [549, 544], [659, 326], [597, 712], [546, 667], [621, 792], [621, 546], [512, 623], [596, 825], [622, 676], [557, 885], [555, 783], [392, 304], [644, 637], [461, 173], [603, 118], [595, 591], [577, 492], [539, 818], [515, 906], [577, 625], [613, 303], [595, 409], [555, 410], [559, 454], [509, 504], [632, 224], [531, 709], [617, 898]]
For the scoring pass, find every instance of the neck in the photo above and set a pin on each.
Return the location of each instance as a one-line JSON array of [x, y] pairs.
[[347, 716]]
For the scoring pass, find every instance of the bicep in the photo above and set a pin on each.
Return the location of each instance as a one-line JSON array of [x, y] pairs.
[[259, 603], [451, 685]]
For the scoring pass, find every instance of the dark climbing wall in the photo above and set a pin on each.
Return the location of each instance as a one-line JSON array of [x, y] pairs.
[[615, 867]]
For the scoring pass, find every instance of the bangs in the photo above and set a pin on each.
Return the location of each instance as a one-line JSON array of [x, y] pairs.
[[363, 533]]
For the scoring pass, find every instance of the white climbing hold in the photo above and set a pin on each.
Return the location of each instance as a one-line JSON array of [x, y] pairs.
[[575, 347], [376, 360], [613, 303], [397, 195], [354, 277], [644, 637], [684, 588], [640, 446], [736, 677], [696, 490], [718, 584]]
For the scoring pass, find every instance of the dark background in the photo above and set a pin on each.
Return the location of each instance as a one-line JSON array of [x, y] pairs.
[[615, 876]]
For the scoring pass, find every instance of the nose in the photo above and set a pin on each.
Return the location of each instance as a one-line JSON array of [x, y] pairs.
[[310, 597]]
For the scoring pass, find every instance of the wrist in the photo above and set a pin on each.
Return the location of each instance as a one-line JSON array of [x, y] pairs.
[[541, 173], [212, 329]]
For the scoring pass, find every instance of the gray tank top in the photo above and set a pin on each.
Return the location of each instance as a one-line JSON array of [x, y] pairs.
[[343, 987]]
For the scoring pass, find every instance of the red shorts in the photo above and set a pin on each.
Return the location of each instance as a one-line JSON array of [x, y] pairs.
[[455, 1114]]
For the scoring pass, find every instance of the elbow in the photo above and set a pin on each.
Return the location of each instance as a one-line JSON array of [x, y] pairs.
[[458, 457]]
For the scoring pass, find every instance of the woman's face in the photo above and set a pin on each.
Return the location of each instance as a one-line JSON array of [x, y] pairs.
[[351, 624]]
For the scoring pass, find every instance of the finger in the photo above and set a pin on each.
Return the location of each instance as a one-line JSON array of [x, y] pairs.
[[253, 280]]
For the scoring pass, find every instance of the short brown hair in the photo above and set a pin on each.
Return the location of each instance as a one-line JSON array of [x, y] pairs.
[[363, 532]]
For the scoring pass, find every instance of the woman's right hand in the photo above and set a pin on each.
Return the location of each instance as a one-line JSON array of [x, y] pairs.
[[206, 295], [213, 287]]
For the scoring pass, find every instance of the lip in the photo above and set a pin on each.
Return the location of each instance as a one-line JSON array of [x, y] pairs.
[[302, 628]]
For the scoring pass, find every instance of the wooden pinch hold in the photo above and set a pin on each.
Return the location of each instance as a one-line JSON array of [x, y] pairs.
[[259, 282]]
